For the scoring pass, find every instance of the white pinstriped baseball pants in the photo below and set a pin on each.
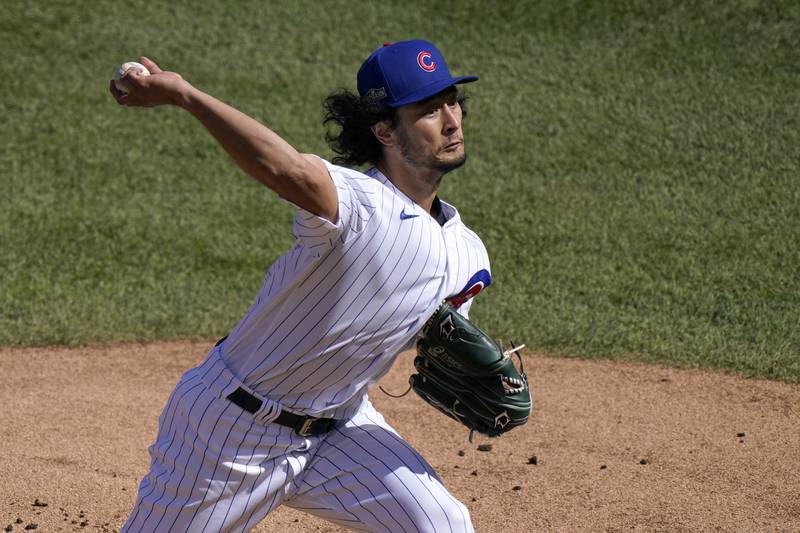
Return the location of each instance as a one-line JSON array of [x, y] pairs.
[[215, 467]]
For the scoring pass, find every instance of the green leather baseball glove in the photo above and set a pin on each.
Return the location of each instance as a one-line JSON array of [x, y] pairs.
[[464, 374]]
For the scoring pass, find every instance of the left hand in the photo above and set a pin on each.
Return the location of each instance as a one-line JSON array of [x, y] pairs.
[[463, 373]]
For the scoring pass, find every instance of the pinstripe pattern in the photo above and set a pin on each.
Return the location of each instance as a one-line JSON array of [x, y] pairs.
[[216, 467], [329, 320], [369, 470]]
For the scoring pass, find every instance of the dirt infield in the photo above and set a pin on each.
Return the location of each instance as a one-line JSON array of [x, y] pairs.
[[610, 447]]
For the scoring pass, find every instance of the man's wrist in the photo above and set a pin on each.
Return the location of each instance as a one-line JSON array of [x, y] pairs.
[[184, 94]]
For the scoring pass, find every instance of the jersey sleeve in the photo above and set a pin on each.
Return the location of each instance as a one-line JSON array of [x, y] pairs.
[[319, 234], [475, 259]]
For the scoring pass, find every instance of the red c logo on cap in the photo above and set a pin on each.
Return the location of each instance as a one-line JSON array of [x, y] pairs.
[[424, 61]]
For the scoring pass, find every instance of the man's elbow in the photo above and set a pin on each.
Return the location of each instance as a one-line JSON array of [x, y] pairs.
[[306, 183]]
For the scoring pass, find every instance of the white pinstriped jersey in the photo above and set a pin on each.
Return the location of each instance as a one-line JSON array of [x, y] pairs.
[[335, 311]]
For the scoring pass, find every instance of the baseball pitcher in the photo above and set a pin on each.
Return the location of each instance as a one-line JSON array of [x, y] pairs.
[[278, 412]]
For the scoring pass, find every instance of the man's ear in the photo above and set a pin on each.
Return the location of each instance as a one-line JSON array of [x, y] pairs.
[[383, 132]]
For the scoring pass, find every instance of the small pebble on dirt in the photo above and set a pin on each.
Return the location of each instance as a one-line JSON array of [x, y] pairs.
[[474, 473], [84, 523], [474, 499], [18, 520], [644, 462], [484, 447], [9, 527], [32, 525], [39, 503], [533, 460], [461, 453], [741, 434], [603, 467], [516, 487]]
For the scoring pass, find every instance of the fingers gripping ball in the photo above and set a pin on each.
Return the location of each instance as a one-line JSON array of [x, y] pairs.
[[120, 72], [464, 374]]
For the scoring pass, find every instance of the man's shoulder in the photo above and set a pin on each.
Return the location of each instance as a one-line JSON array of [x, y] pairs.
[[359, 180], [466, 232], [471, 235]]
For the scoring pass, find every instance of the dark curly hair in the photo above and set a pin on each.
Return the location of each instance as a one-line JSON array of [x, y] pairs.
[[355, 143]]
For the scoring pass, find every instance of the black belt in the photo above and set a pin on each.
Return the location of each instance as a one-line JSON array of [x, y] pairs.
[[303, 425]]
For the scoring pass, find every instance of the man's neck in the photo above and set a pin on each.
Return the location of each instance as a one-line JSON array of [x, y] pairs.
[[420, 188]]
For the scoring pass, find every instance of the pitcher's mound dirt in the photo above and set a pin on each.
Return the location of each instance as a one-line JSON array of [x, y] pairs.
[[610, 446]]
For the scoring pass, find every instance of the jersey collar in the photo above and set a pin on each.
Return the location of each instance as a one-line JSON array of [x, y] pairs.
[[449, 211]]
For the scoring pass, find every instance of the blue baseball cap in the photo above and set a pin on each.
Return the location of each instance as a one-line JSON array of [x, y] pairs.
[[405, 72]]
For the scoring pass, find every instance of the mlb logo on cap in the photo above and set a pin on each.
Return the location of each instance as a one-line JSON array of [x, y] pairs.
[[405, 72]]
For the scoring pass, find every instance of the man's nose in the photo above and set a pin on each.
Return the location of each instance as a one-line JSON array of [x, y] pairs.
[[451, 120]]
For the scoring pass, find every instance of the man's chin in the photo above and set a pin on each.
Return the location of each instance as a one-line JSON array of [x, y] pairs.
[[450, 164]]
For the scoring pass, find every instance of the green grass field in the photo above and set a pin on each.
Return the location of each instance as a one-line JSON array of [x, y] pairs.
[[633, 168]]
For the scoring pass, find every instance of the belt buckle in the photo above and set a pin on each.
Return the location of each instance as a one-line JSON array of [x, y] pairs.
[[304, 429]]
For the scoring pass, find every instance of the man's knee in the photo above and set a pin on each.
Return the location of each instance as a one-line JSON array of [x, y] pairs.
[[459, 517], [443, 515]]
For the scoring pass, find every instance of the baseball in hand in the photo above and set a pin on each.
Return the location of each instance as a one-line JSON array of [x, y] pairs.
[[118, 83]]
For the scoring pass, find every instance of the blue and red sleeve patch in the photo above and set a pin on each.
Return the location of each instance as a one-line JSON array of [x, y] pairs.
[[476, 284]]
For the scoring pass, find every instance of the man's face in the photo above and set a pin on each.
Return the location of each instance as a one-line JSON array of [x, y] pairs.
[[429, 133]]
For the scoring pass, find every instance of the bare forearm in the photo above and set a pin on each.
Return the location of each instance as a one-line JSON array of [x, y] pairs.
[[301, 179], [255, 148]]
